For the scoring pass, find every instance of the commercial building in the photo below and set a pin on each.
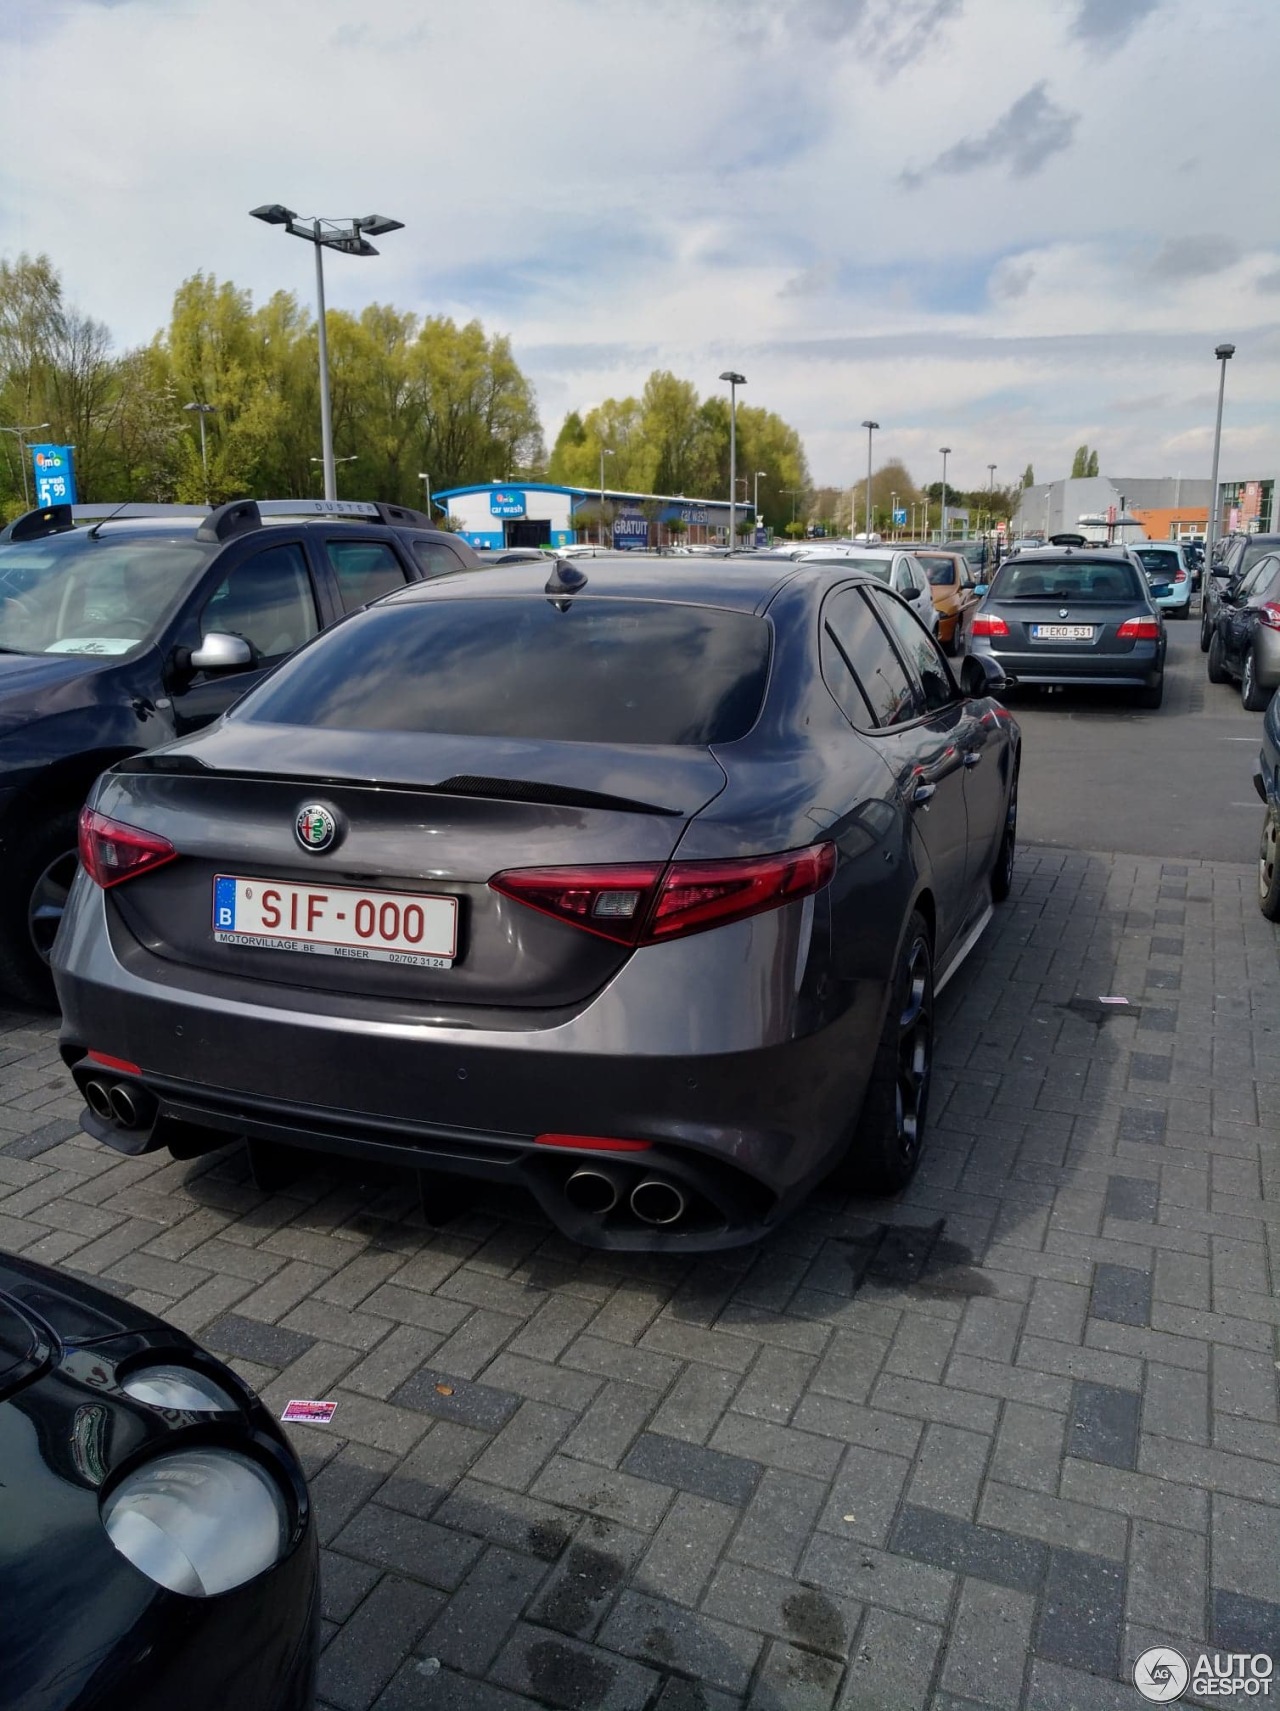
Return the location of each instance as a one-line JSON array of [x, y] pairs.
[[543, 514], [1163, 508]]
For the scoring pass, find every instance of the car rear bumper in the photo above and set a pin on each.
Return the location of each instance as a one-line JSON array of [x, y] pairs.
[[745, 1097], [1142, 668]]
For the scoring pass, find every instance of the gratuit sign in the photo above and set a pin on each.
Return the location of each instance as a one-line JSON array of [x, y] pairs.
[[55, 476]]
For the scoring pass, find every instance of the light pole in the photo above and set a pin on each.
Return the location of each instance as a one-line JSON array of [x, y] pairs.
[[991, 498], [871, 428], [336, 462], [735, 381], [423, 476], [946, 453], [203, 410], [604, 453], [1224, 353], [21, 434], [893, 516], [755, 498], [349, 237]]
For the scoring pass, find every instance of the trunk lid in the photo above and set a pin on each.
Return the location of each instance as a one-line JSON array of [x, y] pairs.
[[1103, 617], [431, 817]]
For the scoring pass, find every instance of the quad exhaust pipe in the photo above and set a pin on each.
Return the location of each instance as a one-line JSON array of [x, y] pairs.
[[122, 1106], [653, 1200]]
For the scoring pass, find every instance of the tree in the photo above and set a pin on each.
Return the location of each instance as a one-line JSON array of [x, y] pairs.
[[1080, 463], [1092, 467], [1028, 477]]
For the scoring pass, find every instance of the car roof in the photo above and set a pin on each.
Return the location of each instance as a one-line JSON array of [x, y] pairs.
[[1064, 555], [733, 584]]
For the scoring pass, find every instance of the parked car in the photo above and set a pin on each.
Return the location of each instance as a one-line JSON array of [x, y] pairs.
[[157, 1545], [1245, 645], [1267, 783], [510, 555], [1237, 555], [898, 570], [1163, 562], [951, 587], [1073, 616], [137, 629], [636, 890]]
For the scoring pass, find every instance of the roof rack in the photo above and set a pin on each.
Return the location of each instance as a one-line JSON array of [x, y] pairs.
[[33, 525]]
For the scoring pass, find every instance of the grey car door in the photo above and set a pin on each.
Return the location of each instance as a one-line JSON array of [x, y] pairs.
[[921, 748], [980, 741]]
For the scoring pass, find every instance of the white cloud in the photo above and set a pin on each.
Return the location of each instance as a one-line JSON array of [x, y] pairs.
[[621, 184]]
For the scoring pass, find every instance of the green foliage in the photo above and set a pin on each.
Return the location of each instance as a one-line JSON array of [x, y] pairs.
[[1028, 477], [1092, 467]]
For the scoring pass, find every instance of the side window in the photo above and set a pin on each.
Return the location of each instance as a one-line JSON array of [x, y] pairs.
[[1261, 572], [364, 571], [435, 559], [919, 649], [871, 662], [267, 599]]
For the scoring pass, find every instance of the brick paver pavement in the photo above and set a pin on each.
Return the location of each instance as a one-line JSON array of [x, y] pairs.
[[976, 1447]]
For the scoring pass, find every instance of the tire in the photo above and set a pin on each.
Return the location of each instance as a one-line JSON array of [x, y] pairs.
[[890, 1136], [1269, 866], [1252, 694], [1152, 698], [1215, 665], [41, 868], [1006, 855], [1206, 634]]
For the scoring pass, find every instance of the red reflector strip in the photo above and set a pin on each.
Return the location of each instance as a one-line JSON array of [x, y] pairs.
[[122, 1064], [592, 1143]]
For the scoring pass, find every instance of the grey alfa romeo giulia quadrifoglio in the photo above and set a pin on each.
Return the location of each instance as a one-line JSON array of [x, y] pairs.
[[634, 884]]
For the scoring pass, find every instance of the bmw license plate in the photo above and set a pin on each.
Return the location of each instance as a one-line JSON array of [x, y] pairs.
[[1062, 632], [336, 920]]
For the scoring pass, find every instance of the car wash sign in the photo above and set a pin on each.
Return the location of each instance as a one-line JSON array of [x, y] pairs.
[[55, 477], [506, 502], [630, 531]]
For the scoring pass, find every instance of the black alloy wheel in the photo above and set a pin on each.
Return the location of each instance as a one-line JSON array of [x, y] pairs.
[[1269, 866], [42, 867], [1006, 855], [1216, 665], [891, 1133], [1206, 632]]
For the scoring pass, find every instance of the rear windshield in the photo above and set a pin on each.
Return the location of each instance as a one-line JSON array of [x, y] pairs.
[[940, 571], [1070, 579], [602, 671], [877, 567], [1162, 560]]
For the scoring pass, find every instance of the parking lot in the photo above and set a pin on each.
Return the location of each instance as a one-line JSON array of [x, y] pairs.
[[978, 1446]]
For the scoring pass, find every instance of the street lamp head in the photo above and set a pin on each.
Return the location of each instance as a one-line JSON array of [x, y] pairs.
[[378, 225], [348, 243], [871, 424], [945, 450], [274, 213], [734, 378], [1224, 351], [202, 409]]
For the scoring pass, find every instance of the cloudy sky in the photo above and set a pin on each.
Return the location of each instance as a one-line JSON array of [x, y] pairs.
[[1007, 226]]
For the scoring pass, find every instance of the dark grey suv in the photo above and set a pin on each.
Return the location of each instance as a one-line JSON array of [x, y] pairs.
[[633, 884]]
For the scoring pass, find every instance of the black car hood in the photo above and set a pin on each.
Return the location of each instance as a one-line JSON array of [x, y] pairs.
[[35, 1301], [30, 683]]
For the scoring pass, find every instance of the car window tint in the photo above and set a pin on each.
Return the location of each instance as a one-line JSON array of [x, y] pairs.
[[435, 558], [584, 670], [918, 649], [1260, 577], [1079, 580], [268, 600], [838, 676], [871, 658], [941, 572], [364, 571], [1161, 560]]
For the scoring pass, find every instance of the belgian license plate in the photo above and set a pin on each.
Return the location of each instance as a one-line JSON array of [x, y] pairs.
[[1062, 632], [336, 920]]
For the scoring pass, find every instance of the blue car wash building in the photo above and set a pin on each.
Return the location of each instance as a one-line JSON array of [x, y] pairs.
[[541, 514]]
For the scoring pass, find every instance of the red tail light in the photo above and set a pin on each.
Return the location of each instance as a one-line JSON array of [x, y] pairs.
[[1269, 615], [1179, 576], [1139, 630], [647, 903], [111, 852], [986, 624], [592, 1143]]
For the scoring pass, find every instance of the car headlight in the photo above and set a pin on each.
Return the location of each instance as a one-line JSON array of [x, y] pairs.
[[168, 1385], [198, 1521]]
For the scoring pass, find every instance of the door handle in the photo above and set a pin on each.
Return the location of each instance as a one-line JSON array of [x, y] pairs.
[[922, 793], [972, 757]]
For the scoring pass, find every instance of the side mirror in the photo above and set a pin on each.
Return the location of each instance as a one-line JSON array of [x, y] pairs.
[[981, 675], [219, 652]]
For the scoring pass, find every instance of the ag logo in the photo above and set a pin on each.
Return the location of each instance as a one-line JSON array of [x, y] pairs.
[[315, 827], [1161, 1674]]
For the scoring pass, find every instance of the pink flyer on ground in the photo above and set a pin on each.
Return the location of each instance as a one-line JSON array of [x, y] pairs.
[[316, 1413]]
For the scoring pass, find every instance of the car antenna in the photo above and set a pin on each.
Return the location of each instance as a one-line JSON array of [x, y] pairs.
[[93, 532], [565, 580]]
